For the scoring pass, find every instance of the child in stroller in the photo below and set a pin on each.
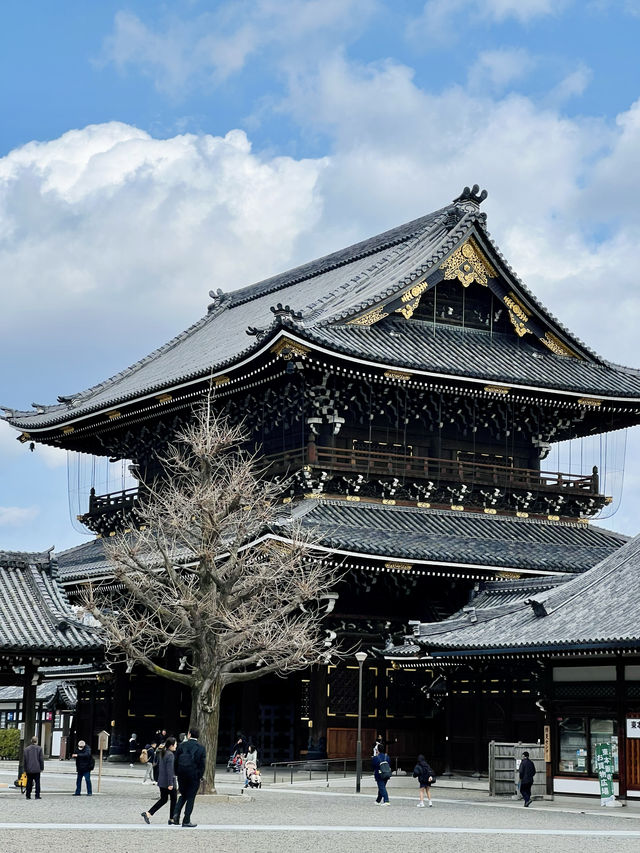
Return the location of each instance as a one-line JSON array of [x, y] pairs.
[[235, 763], [252, 776]]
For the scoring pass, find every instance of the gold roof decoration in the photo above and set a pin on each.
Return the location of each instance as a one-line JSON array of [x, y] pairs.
[[286, 349], [371, 317], [556, 346], [517, 314], [468, 264]]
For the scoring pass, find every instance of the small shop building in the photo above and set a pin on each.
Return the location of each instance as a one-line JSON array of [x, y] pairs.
[[576, 642]]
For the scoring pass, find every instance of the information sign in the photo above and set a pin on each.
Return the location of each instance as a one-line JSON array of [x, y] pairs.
[[633, 727], [604, 768]]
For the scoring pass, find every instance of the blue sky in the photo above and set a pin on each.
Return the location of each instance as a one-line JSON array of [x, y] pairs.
[[150, 152]]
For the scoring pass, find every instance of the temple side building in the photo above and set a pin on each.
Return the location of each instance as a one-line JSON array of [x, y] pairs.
[[576, 641], [408, 388]]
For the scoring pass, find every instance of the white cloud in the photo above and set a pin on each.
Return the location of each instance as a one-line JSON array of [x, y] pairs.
[[499, 68], [571, 86], [438, 18], [107, 227], [15, 516], [210, 47]]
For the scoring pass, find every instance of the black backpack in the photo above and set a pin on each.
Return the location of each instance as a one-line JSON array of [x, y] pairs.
[[384, 770]]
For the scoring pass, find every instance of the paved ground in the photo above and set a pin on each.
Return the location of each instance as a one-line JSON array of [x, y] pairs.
[[305, 818]]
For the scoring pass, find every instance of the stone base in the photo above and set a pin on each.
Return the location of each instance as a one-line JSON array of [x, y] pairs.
[[226, 798]]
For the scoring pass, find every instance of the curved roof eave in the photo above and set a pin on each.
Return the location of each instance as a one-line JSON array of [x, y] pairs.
[[305, 338]]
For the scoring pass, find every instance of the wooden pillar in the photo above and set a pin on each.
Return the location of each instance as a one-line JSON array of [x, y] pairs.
[[319, 708], [621, 715], [447, 736], [119, 740], [479, 715]]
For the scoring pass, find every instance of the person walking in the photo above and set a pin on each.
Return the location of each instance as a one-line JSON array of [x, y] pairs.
[[381, 764], [150, 749], [133, 749], [190, 763], [33, 766], [425, 776], [166, 780], [526, 772], [84, 765]]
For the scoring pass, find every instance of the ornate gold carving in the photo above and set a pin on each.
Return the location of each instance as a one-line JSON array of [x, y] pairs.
[[220, 380], [286, 349], [522, 514], [407, 310], [370, 318], [496, 389], [518, 309], [164, 398], [556, 346], [113, 415], [414, 292], [508, 575], [517, 314], [388, 501], [590, 401], [405, 567], [490, 511], [424, 504], [457, 506], [397, 374], [24, 436], [468, 264], [68, 429], [353, 498]]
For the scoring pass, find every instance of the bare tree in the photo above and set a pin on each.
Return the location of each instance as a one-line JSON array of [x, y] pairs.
[[202, 575]]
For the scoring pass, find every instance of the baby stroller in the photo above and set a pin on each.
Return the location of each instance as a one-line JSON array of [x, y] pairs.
[[235, 763], [252, 776]]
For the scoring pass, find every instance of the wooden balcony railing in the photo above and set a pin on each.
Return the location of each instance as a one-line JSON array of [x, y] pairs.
[[377, 464]]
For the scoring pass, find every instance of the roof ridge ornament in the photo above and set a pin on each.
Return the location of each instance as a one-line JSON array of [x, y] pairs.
[[472, 197], [285, 313]]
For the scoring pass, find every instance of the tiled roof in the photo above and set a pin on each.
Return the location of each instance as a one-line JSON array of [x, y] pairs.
[[448, 536], [35, 614], [597, 609], [63, 693], [411, 533], [329, 291], [84, 561], [476, 354]]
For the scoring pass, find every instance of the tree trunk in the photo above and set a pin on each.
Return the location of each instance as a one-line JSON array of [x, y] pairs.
[[205, 715]]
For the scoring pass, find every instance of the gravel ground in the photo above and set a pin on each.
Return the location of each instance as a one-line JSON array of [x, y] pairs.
[[308, 818]]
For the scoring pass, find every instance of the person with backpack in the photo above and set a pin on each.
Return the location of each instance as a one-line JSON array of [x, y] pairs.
[[148, 757], [85, 763], [426, 777], [381, 764]]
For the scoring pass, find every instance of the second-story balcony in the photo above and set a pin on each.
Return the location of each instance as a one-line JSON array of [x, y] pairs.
[[397, 476], [459, 481]]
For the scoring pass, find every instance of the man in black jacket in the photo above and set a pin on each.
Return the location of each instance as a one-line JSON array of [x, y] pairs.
[[84, 766], [526, 771], [33, 766], [190, 762]]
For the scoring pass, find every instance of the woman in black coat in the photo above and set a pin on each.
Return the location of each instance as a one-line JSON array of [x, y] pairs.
[[166, 780], [426, 777]]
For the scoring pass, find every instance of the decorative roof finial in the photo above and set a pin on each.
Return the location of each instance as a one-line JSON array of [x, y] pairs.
[[473, 195], [285, 313]]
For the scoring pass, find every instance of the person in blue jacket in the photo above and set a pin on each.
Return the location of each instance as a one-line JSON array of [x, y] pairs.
[[381, 764]]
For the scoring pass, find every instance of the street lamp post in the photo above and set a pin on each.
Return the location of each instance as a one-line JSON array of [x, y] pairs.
[[361, 658]]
